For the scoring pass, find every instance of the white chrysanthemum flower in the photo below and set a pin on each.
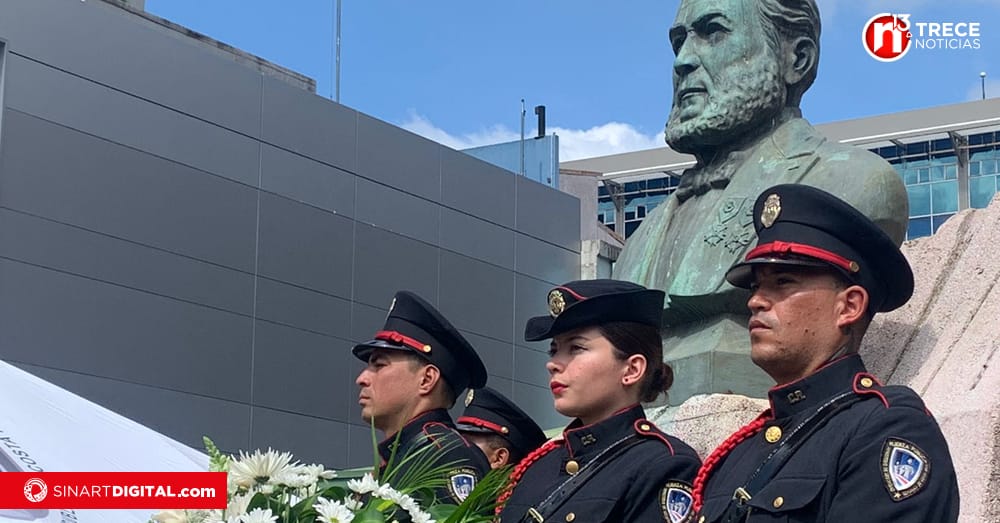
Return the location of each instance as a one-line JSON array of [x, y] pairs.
[[259, 467], [219, 519], [319, 471], [238, 505], [364, 485], [333, 512], [171, 516], [184, 516], [258, 515], [385, 491], [327, 474], [353, 504], [293, 477], [420, 516]]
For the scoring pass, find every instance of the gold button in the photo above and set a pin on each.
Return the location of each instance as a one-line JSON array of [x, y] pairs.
[[701, 519], [570, 517], [772, 434], [867, 382], [778, 502], [645, 426], [505, 430], [572, 467]]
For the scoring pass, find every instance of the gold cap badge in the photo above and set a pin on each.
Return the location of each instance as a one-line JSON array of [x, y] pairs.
[[468, 397], [772, 208], [557, 303]]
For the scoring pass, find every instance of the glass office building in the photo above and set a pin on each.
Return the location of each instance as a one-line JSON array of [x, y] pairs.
[[947, 158]]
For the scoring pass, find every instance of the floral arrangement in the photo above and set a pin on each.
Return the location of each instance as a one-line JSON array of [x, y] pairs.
[[269, 487]]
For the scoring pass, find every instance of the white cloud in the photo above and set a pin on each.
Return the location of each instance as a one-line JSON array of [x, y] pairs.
[[601, 140], [610, 138], [975, 92], [419, 124]]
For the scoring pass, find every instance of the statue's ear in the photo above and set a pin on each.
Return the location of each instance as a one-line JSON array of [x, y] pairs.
[[801, 55]]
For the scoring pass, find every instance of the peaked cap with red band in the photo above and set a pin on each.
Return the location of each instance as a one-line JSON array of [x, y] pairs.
[[801, 225], [416, 326], [586, 303], [489, 412]]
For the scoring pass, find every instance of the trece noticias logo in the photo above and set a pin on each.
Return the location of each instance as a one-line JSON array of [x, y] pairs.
[[887, 37]]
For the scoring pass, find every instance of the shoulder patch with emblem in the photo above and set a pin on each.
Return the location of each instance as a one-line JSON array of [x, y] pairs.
[[676, 502], [905, 468], [461, 482]]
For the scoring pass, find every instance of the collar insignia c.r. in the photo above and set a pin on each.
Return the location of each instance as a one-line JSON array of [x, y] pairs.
[[772, 208], [469, 396], [905, 468], [676, 501]]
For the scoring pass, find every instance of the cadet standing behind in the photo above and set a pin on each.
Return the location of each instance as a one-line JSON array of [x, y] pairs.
[[417, 364], [836, 445], [611, 464], [498, 427]]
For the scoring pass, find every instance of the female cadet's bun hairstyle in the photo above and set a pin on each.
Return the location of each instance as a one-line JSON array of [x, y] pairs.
[[630, 338], [660, 380]]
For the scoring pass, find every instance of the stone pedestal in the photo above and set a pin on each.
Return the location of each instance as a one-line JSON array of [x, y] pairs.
[[713, 356]]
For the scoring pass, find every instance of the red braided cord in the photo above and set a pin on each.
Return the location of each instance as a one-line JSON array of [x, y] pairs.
[[521, 468], [720, 452]]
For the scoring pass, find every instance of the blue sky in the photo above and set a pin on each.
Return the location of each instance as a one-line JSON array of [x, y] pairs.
[[455, 71]]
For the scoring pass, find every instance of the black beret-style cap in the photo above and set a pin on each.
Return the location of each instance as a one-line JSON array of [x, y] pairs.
[[586, 303], [489, 412], [802, 225], [415, 325]]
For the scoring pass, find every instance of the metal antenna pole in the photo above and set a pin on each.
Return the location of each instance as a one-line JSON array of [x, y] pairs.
[[522, 136], [337, 81]]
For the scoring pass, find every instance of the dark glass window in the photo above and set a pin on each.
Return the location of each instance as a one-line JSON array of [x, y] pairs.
[[938, 220], [920, 200], [943, 144], [919, 227], [944, 197], [981, 191]]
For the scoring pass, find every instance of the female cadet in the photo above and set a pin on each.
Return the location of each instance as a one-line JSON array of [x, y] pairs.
[[610, 464]]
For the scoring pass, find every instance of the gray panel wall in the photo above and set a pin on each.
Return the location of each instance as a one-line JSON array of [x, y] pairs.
[[197, 247]]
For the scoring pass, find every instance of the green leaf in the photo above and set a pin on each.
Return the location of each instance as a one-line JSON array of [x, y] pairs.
[[442, 512], [258, 500], [369, 515]]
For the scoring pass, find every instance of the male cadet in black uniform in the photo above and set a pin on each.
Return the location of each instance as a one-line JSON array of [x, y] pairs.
[[498, 427], [836, 445], [417, 364]]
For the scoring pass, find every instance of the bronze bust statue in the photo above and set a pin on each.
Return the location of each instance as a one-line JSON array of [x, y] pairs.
[[739, 73]]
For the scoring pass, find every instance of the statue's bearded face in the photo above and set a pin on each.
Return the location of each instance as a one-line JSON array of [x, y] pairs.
[[727, 79]]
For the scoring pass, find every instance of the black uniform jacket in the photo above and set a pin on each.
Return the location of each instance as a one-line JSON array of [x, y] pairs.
[[882, 459], [637, 486], [435, 427]]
